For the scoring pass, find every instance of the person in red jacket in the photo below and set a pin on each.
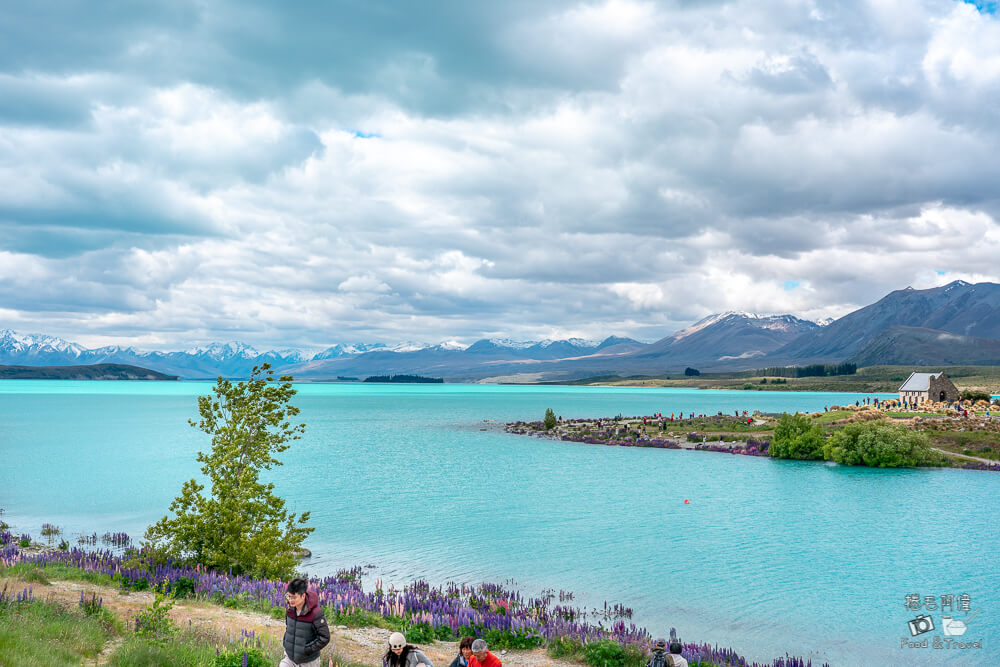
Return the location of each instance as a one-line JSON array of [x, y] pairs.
[[481, 656]]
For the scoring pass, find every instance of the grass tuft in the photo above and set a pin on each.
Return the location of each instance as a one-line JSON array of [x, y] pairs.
[[48, 634]]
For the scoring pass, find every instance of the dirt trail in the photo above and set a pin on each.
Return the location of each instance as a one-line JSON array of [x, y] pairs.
[[964, 456], [364, 645]]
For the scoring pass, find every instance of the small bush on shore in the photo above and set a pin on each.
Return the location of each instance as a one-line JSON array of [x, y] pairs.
[[879, 444], [608, 653], [797, 437], [550, 419]]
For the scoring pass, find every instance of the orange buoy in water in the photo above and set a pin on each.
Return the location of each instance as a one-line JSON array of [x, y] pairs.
[[687, 502]]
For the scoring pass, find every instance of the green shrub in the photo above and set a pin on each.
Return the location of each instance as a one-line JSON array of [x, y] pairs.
[[420, 633], [154, 622], [796, 437], [879, 444], [182, 587], [504, 639], [975, 395], [609, 653], [550, 419], [357, 618], [562, 648], [233, 657], [238, 601]]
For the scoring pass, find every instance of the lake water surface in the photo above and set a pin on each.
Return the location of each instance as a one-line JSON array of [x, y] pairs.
[[768, 556]]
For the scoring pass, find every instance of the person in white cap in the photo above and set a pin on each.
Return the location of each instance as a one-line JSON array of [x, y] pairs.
[[401, 654]]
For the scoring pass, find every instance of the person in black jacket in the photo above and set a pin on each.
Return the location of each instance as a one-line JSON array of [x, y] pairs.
[[306, 631]]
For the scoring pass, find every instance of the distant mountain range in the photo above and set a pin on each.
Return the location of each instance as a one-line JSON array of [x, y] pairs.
[[871, 335], [958, 323]]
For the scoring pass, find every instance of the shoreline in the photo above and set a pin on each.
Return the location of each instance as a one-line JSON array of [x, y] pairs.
[[750, 435], [346, 598]]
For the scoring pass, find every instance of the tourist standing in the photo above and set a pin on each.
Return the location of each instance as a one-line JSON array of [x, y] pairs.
[[306, 631], [481, 656], [675, 657], [658, 657], [401, 654]]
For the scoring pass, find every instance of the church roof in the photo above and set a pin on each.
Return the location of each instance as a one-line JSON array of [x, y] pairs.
[[918, 382]]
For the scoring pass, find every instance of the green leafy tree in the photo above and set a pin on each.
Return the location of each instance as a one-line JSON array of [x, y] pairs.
[[241, 524], [550, 419], [796, 437], [879, 444]]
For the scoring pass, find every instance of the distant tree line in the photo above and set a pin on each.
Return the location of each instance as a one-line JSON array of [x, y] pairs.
[[813, 370], [975, 395], [414, 379]]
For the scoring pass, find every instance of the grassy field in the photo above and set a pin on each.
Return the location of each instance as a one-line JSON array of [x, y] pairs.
[[55, 633], [871, 379]]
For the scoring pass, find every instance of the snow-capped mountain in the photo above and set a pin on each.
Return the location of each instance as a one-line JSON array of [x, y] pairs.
[[729, 336], [905, 322], [36, 349], [229, 359], [220, 351], [338, 350]]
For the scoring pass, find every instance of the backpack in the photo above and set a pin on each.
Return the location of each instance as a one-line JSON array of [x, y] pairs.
[[661, 659]]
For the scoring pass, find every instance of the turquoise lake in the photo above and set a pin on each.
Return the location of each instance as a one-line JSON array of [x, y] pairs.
[[768, 557]]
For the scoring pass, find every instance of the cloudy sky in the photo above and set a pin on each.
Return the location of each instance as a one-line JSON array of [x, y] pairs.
[[301, 174]]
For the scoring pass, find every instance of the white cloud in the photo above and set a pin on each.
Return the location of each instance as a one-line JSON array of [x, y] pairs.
[[965, 49], [591, 168]]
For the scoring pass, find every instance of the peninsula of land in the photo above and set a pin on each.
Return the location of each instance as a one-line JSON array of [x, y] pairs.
[[964, 435], [86, 372]]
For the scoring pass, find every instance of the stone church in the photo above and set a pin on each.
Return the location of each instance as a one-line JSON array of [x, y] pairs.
[[920, 387]]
